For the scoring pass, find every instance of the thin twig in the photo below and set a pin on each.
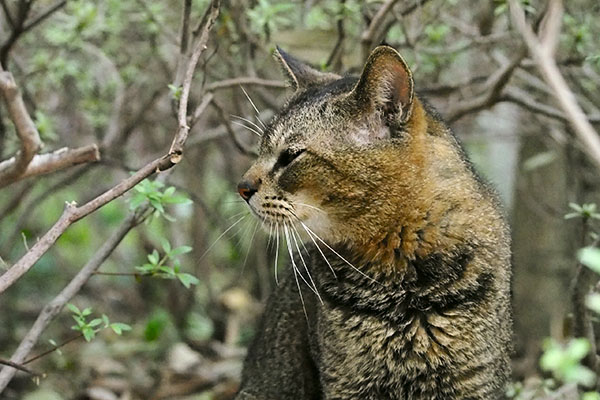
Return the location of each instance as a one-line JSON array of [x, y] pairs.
[[491, 93], [44, 15], [200, 46], [9, 18], [20, 367], [53, 349]]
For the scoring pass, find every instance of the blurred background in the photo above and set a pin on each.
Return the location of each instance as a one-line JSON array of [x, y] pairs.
[[104, 72]]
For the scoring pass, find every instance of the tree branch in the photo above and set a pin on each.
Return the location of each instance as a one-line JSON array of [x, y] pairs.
[[26, 130], [542, 52], [56, 305], [491, 93], [52, 162], [44, 15], [72, 213]]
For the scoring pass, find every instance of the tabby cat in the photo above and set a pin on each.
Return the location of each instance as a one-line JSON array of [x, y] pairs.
[[400, 287]]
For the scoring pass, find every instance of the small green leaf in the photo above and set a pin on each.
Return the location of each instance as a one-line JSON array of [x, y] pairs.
[[539, 160], [187, 279], [165, 245], [119, 327], [73, 308], [95, 322], [592, 301], [88, 333], [86, 311], [153, 257], [180, 250], [590, 257]]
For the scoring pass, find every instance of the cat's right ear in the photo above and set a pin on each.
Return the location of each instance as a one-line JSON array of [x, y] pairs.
[[300, 75], [386, 85]]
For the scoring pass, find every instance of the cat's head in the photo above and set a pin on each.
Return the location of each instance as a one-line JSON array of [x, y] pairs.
[[345, 156]]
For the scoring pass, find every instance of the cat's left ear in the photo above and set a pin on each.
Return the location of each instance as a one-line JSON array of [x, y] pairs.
[[300, 75], [386, 84]]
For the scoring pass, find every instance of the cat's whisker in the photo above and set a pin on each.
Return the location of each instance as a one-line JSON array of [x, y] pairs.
[[295, 270], [321, 252], [247, 127], [308, 205], [250, 245], [308, 230], [253, 106], [270, 235], [276, 252], [304, 262], [221, 235], [258, 128], [294, 265]]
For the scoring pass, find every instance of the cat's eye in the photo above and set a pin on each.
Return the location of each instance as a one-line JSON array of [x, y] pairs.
[[287, 156]]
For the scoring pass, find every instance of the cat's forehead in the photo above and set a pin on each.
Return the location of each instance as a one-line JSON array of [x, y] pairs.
[[307, 115]]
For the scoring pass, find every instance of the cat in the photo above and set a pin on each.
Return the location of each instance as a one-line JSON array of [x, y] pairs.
[[400, 287]]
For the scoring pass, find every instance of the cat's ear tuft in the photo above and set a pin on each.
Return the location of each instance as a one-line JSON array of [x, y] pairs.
[[300, 75], [386, 84]]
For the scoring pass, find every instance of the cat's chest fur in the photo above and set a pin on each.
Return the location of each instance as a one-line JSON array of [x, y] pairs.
[[380, 340]]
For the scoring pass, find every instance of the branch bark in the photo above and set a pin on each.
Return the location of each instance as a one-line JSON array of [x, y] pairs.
[[542, 50], [26, 130], [51, 162]]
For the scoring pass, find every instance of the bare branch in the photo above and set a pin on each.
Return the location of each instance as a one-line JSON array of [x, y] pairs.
[[491, 93], [56, 305], [19, 367], [369, 33], [185, 26], [72, 213], [9, 18], [44, 15], [565, 97], [26, 130], [52, 162], [200, 46], [239, 145]]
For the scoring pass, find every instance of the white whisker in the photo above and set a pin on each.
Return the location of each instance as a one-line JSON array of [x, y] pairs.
[[221, 235], [258, 128], [308, 205], [308, 230], [247, 127], [321, 251], [276, 252], [316, 291], [250, 245], [291, 252], [253, 106]]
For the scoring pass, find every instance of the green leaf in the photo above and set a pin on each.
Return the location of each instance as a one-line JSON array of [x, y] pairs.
[[86, 311], [165, 245], [187, 279], [177, 200], [592, 301], [95, 322], [73, 308], [153, 257], [180, 250], [590, 257], [88, 333], [119, 327]]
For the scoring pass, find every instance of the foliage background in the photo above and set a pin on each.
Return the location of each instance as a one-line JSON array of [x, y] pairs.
[[103, 72]]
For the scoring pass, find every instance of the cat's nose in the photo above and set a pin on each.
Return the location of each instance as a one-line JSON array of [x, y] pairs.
[[247, 188]]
